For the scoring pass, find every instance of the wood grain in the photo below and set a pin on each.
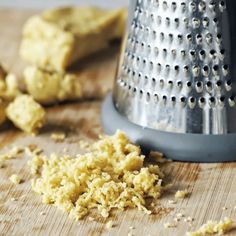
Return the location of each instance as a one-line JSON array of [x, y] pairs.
[[212, 186]]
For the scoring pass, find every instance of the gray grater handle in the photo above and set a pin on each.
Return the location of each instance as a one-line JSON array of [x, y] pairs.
[[183, 147]]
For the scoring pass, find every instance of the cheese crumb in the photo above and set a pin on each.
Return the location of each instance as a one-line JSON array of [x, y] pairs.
[[158, 157], [172, 202], [12, 153], [111, 176], [15, 179], [181, 194], [169, 225], [109, 224], [58, 137], [26, 114], [213, 227], [13, 199]]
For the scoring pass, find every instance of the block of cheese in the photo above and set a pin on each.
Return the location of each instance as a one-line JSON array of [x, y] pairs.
[[51, 87], [26, 114], [57, 38]]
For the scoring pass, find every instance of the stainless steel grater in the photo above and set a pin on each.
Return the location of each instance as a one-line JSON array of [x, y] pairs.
[[175, 89]]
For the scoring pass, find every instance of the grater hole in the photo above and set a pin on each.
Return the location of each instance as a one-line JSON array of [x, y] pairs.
[[180, 38], [218, 83], [228, 85], [209, 38], [192, 102], [156, 98], [232, 100], [170, 83], [183, 100], [189, 37], [195, 71], [202, 102], [176, 20], [189, 84], [141, 93], [183, 6], [219, 37], [222, 99], [202, 54], [212, 101], [164, 98], [176, 68], [186, 69], [173, 6], [209, 84], [192, 6], [192, 54], [179, 84], [222, 53], [173, 99], [215, 69], [212, 5], [148, 96], [199, 38], [205, 22], [215, 21], [199, 86], [196, 23], [161, 83], [164, 5], [213, 53], [222, 5], [186, 22], [225, 70], [202, 6], [183, 53]]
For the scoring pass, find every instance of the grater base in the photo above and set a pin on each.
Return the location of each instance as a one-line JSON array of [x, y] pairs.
[[181, 147]]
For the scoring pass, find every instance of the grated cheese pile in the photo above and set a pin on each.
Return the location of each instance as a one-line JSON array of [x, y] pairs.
[[213, 227], [110, 176]]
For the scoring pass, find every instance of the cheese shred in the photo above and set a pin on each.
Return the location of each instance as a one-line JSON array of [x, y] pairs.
[[110, 176]]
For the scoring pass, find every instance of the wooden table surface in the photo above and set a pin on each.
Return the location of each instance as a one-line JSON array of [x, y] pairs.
[[212, 186]]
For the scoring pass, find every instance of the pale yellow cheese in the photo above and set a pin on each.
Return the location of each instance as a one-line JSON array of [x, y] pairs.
[[213, 227], [110, 176], [26, 114], [51, 87], [15, 179], [181, 194], [8, 85], [58, 37]]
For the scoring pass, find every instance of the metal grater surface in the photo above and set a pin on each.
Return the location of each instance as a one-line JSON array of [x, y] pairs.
[[176, 69]]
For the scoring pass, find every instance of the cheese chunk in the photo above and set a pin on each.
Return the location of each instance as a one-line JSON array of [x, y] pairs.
[[26, 114], [57, 38], [8, 85], [51, 87]]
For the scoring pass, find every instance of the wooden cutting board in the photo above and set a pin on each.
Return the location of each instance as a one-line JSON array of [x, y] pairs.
[[212, 186]]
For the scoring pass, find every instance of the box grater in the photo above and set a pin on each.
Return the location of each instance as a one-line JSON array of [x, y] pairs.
[[175, 90]]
